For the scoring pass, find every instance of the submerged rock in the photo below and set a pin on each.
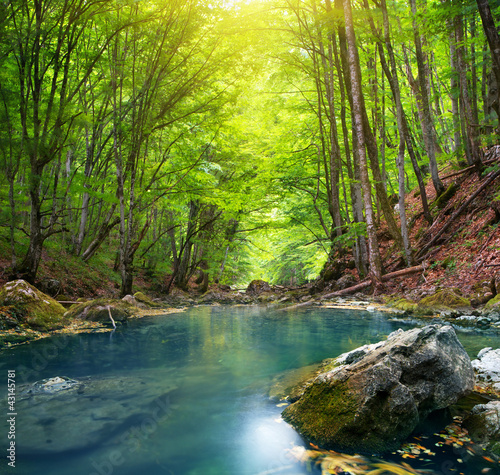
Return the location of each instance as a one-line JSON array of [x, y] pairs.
[[372, 398], [62, 414], [31, 307], [483, 425]]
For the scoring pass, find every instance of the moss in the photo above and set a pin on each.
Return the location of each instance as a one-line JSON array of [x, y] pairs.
[[405, 304], [443, 299], [32, 307], [97, 310], [493, 303], [444, 197], [323, 412], [140, 297]]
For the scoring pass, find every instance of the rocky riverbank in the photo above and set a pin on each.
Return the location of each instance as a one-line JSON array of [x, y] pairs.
[[27, 314]]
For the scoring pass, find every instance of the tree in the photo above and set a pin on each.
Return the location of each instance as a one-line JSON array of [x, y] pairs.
[[493, 42], [357, 116]]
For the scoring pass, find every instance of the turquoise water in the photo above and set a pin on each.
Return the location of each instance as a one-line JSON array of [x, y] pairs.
[[182, 394]]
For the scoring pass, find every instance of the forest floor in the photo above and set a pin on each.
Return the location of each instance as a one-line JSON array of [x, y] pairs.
[[467, 254]]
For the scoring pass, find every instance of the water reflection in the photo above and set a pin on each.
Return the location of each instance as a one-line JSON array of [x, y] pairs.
[[215, 365]]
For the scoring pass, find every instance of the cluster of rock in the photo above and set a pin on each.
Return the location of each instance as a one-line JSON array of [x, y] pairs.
[[450, 305]]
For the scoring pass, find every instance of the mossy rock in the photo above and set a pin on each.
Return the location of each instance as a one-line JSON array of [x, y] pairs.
[[443, 300], [31, 307], [403, 304], [323, 413], [97, 311], [140, 297], [493, 303]]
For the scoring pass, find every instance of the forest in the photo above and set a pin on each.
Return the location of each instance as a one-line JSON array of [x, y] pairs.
[[226, 140]]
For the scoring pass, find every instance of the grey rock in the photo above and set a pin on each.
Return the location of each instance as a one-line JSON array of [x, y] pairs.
[[371, 399], [487, 367], [483, 424]]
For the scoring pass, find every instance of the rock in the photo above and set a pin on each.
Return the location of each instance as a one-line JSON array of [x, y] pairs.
[[403, 304], [130, 299], [372, 398], [483, 424], [50, 286], [256, 287], [60, 414], [140, 297], [31, 307], [487, 367], [97, 311], [347, 280], [482, 322], [493, 304], [442, 300]]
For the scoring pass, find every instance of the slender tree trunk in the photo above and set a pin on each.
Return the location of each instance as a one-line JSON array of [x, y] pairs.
[[394, 82], [493, 42], [103, 232], [360, 249], [357, 113], [471, 128], [428, 125], [454, 94]]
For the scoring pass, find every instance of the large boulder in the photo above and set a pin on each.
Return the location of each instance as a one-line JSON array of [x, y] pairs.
[[257, 287], [30, 307], [371, 399]]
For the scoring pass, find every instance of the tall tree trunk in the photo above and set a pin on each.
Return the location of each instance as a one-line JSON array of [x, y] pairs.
[[428, 125], [493, 42], [357, 113], [28, 268], [394, 83], [471, 128], [360, 249], [454, 95], [103, 232]]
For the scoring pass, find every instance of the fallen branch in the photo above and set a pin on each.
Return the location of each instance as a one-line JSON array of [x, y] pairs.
[[362, 285], [111, 318], [368, 282], [490, 178], [460, 172]]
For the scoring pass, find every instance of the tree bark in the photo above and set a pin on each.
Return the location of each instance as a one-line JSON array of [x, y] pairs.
[[428, 125], [473, 151], [493, 42], [394, 82], [357, 113]]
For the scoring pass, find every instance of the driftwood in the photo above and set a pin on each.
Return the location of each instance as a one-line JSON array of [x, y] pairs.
[[489, 179], [362, 285]]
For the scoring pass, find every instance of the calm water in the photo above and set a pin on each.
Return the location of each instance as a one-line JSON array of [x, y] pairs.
[[183, 394]]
